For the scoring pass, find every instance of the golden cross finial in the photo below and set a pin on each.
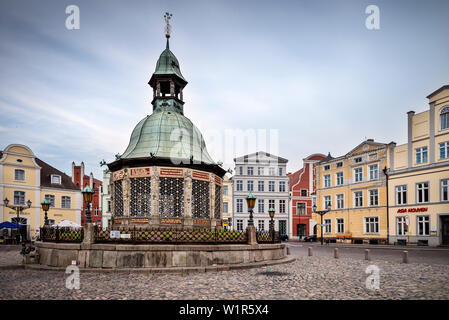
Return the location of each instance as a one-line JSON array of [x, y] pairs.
[[167, 17]]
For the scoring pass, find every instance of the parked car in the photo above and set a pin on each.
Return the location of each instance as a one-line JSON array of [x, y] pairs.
[[311, 238], [283, 237]]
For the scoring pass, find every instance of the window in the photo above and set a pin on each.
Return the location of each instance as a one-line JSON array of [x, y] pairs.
[[327, 167], [19, 175], [55, 179], [372, 224], [50, 198], [423, 225], [271, 186], [280, 171], [444, 118], [225, 190], [339, 179], [260, 186], [340, 225], [358, 199], [260, 171], [444, 150], [250, 171], [358, 174], [301, 208], [422, 190], [373, 172], [239, 205], [225, 207], [109, 206], [261, 225], [96, 211], [401, 226], [358, 160], [340, 201], [327, 202], [241, 171], [401, 194], [19, 198], [281, 206], [327, 180], [271, 171], [66, 203], [327, 226], [374, 197], [445, 190], [339, 164], [303, 193], [51, 222], [240, 225], [281, 186], [421, 155], [239, 185], [271, 204], [260, 205], [250, 185]]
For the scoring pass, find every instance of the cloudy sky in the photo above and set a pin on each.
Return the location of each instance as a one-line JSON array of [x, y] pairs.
[[309, 69]]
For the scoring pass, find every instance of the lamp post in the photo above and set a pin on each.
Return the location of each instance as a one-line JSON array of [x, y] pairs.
[[250, 201], [271, 213], [87, 196], [45, 206], [19, 209], [321, 213]]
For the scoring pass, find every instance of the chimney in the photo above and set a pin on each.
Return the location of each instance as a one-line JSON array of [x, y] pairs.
[[410, 115], [91, 180], [73, 171]]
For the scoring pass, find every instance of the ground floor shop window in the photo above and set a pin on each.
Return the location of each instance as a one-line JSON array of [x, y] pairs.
[[423, 225], [401, 226]]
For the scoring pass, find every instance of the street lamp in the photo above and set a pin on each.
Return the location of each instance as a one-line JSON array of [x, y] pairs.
[[250, 201], [19, 209], [45, 206], [271, 212], [321, 213], [87, 195]]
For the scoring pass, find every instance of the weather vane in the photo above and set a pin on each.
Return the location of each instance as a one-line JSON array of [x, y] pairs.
[[167, 17]]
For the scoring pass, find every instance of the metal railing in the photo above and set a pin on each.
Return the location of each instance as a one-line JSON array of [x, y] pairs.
[[263, 236], [61, 234]]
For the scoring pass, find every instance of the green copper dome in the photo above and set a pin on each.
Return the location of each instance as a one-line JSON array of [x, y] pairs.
[[167, 134], [168, 64]]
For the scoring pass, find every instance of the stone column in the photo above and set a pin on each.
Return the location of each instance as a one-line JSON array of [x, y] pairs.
[[188, 220], [251, 231], [126, 184], [158, 89], [172, 88], [154, 194], [89, 234], [213, 221], [180, 94]]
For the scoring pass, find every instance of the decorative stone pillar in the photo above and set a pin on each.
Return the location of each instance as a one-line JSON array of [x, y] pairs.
[[251, 231], [213, 221], [89, 234], [154, 215], [188, 220], [126, 189], [158, 89], [172, 88], [180, 94]]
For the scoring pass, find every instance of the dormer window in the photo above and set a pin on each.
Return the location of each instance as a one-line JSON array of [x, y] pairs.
[[19, 175], [358, 160], [55, 179], [327, 167], [444, 118], [339, 164]]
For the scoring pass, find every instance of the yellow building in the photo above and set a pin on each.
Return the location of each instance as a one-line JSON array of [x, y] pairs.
[[24, 177], [227, 202], [419, 177], [353, 188]]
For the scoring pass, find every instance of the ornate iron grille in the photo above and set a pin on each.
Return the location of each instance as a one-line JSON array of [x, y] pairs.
[[61, 234], [193, 236], [171, 197], [267, 237], [217, 209], [200, 197], [118, 198], [140, 200]]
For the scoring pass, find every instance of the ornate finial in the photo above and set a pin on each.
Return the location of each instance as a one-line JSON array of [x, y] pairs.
[[167, 17]]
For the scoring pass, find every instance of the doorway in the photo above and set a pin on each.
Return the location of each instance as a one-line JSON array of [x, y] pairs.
[[301, 230], [444, 230]]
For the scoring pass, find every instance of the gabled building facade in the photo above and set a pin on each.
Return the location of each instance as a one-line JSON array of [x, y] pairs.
[[265, 176], [353, 188], [25, 177], [302, 185], [419, 177]]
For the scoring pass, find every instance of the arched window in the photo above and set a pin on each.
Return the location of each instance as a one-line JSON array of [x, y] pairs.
[[444, 118]]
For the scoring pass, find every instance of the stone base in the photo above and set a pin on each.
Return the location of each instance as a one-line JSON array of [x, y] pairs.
[[112, 256]]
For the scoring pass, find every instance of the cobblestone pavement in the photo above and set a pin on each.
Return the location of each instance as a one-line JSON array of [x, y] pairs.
[[10, 255], [307, 278]]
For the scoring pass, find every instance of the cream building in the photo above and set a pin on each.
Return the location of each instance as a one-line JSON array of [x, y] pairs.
[[227, 202], [419, 177], [105, 202], [25, 177]]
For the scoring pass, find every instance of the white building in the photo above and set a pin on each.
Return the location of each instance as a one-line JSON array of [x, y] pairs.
[[264, 175], [105, 201]]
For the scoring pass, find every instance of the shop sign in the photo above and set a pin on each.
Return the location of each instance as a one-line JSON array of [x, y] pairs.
[[412, 210], [115, 234]]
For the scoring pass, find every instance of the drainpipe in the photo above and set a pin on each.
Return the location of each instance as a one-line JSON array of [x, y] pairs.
[[385, 170]]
